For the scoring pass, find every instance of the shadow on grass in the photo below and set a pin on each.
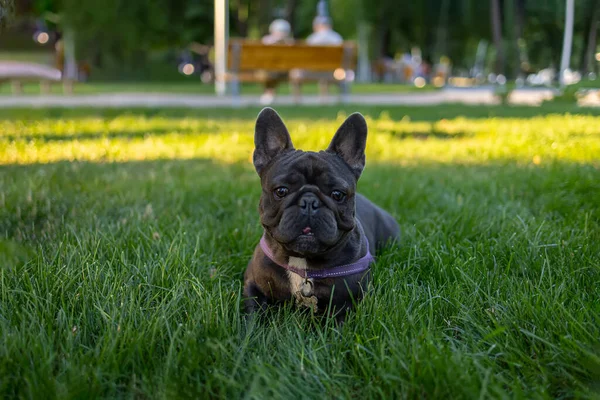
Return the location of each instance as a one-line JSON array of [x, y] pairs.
[[157, 132], [112, 134], [432, 134], [415, 113]]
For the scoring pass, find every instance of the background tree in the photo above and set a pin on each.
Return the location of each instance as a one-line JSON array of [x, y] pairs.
[[6, 12], [526, 34], [591, 36]]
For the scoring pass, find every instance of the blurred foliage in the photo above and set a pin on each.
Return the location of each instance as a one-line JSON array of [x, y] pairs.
[[6, 11], [568, 95], [126, 32]]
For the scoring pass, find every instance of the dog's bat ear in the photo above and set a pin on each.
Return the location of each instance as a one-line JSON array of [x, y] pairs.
[[350, 141], [271, 138]]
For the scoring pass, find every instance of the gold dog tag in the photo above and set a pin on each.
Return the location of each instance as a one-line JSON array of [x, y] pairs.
[[304, 301]]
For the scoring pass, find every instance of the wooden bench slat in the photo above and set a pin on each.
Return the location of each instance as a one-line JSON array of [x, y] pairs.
[[250, 55], [285, 58], [253, 61]]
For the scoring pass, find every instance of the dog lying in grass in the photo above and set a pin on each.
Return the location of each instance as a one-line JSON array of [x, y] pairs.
[[319, 233]]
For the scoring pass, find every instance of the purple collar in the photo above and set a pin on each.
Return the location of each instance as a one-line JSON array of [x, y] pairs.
[[334, 272]]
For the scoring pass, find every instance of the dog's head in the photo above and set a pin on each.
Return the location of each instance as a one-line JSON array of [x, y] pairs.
[[308, 198]]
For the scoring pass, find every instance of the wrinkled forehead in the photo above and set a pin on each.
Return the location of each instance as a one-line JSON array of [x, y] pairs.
[[308, 167]]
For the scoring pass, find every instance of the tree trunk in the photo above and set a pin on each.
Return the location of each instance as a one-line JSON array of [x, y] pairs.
[[590, 40], [519, 18], [496, 18], [6, 12], [512, 50], [386, 41], [364, 67], [441, 39], [383, 35], [520, 41], [241, 17], [70, 72], [265, 17], [429, 50], [290, 13]]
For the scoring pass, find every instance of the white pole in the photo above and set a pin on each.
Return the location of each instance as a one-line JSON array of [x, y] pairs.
[[568, 41], [221, 38]]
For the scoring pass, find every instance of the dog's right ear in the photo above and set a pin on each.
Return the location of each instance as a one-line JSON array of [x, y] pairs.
[[271, 138]]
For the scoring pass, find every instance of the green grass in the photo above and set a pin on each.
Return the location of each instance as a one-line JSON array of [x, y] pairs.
[[41, 57], [124, 235], [193, 85], [416, 113]]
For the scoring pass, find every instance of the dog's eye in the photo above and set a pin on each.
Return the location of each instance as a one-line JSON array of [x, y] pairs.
[[337, 195], [281, 192]]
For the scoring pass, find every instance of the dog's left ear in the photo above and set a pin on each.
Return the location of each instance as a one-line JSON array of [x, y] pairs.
[[271, 138], [350, 142]]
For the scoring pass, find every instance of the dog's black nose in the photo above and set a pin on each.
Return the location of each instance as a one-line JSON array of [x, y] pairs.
[[309, 203]]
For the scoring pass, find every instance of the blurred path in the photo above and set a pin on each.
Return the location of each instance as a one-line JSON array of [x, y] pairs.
[[124, 100]]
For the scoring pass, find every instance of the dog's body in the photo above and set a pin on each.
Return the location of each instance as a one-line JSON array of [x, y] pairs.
[[314, 220]]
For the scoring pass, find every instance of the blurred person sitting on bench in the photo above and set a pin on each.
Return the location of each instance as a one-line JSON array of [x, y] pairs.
[[279, 33], [323, 35]]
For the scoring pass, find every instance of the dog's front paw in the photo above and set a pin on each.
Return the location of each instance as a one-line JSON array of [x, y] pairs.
[[254, 300]]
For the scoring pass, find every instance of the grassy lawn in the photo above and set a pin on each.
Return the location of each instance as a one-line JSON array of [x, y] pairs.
[[194, 86], [124, 235], [40, 57]]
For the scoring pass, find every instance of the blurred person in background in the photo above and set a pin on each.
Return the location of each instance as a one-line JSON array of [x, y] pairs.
[[279, 33], [323, 33]]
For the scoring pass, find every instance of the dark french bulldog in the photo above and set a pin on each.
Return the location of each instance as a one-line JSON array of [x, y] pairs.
[[319, 233]]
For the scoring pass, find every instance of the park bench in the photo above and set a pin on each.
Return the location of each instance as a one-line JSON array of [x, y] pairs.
[[19, 72], [253, 61]]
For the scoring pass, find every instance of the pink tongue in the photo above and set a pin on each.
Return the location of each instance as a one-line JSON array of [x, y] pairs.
[[306, 230]]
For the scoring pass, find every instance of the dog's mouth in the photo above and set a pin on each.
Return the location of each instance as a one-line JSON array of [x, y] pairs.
[[307, 231], [305, 243]]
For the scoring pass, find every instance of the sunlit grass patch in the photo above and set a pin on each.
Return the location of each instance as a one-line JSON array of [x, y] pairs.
[[123, 138]]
